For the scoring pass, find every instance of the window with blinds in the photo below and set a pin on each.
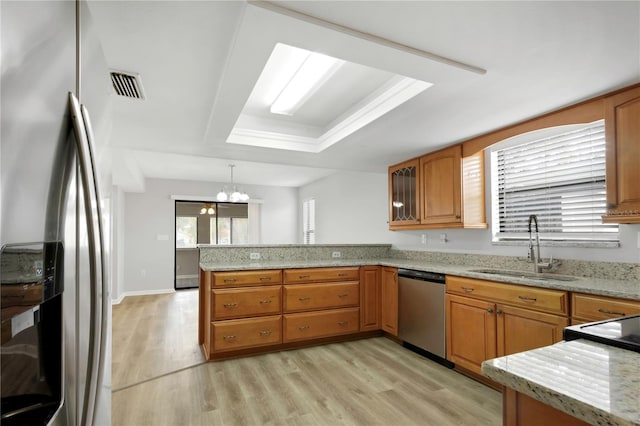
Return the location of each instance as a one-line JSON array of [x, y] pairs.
[[561, 179], [309, 221]]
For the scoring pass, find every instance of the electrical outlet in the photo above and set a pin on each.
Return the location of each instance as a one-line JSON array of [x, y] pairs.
[[443, 238], [254, 256], [336, 254], [423, 238], [639, 239]]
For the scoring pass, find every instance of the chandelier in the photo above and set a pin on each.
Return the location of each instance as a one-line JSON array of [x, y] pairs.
[[234, 195]]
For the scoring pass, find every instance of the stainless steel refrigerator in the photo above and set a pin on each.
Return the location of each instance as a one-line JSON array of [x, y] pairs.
[[56, 312]]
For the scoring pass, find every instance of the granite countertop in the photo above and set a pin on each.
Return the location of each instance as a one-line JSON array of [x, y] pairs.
[[596, 383], [600, 286]]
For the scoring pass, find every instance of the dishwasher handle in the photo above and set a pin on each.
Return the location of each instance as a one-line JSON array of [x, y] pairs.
[[433, 277]]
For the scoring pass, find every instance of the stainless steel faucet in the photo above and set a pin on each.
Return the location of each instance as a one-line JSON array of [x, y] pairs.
[[534, 252]]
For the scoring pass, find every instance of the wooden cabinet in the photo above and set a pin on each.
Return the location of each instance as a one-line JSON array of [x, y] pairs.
[[314, 275], [590, 307], [522, 410], [449, 194], [370, 297], [246, 302], [246, 333], [307, 297], [440, 183], [247, 278], [389, 309], [622, 128], [313, 325], [404, 193], [322, 290], [487, 319]]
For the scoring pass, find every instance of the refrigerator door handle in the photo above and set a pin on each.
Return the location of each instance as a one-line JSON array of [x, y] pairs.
[[105, 298], [94, 229]]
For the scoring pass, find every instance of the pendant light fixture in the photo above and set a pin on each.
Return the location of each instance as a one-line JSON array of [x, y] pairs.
[[234, 196], [208, 209]]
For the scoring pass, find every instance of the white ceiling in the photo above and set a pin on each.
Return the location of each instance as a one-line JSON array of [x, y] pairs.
[[200, 60]]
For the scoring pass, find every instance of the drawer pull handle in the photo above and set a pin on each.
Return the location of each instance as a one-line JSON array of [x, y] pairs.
[[527, 298], [265, 332], [230, 305], [468, 289], [343, 274], [606, 311], [341, 295], [343, 322], [303, 276], [265, 278], [229, 337], [262, 302], [303, 298], [230, 280], [303, 327]]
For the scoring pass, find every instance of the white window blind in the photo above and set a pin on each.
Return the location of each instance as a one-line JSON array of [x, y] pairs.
[[561, 179], [309, 221]]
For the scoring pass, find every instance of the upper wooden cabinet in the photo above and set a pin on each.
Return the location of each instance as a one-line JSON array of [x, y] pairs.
[[438, 190], [440, 187], [404, 194], [622, 127]]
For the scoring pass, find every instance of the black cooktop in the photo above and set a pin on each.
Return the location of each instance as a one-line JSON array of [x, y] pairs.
[[623, 332]]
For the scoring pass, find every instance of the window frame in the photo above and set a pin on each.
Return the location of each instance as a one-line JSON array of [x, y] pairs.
[[574, 239]]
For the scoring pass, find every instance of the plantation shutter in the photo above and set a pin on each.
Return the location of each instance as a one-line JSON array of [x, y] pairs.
[[561, 179], [309, 221]]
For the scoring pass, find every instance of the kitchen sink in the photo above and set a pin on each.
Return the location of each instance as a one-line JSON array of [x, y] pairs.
[[525, 274]]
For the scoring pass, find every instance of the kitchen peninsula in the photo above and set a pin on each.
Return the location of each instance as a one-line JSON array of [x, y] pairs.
[[585, 284]]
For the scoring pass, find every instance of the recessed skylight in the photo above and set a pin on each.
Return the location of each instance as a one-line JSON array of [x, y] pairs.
[[306, 101], [307, 73]]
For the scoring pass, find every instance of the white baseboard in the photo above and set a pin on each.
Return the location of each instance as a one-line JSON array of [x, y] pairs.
[[140, 293]]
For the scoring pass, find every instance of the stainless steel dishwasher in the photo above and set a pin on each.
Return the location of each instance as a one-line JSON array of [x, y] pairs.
[[421, 313]]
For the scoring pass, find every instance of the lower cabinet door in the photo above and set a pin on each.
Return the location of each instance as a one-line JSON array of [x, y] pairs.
[[246, 333], [521, 330], [471, 332], [312, 325]]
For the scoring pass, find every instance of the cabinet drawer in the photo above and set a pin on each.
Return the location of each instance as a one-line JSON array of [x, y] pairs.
[[245, 278], [245, 302], [246, 333], [305, 275], [320, 324], [594, 308], [302, 297], [539, 299]]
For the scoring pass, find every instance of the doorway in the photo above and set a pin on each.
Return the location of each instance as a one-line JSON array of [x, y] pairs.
[[202, 222]]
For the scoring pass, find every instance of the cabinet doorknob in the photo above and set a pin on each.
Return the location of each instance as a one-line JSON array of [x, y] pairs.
[[490, 310], [498, 311]]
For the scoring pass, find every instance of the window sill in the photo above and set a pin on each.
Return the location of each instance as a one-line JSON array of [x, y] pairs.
[[559, 243]]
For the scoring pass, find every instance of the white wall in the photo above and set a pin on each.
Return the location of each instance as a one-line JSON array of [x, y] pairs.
[[148, 258], [351, 207], [342, 217]]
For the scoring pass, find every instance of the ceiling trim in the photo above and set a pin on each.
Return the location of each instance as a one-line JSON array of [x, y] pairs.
[[395, 92], [366, 36]]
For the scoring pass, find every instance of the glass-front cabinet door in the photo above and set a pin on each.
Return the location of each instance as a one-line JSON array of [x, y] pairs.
[[404, 194]]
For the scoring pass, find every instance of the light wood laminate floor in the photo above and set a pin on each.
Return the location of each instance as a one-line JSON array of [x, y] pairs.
[[160, 378]]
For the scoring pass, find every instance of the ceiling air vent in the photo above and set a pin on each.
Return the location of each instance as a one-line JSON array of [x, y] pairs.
[[127, 84]]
